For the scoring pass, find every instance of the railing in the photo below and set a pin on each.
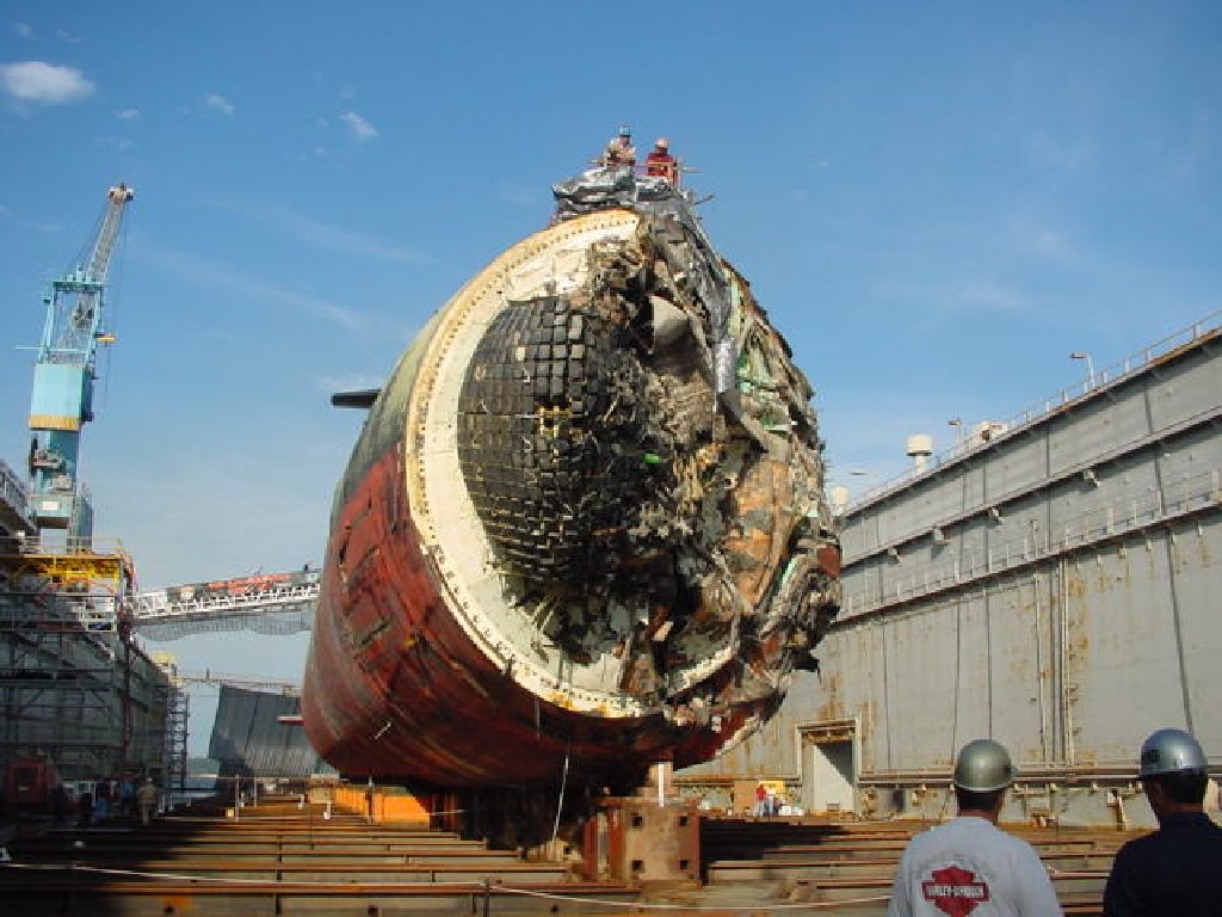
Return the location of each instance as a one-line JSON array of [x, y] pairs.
[[58, 612], [224, 598], [58, 544], [13, 493], [672, 171], [1096, 379], [1174, 501]]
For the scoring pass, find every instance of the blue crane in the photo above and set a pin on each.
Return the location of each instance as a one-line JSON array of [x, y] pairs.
[[63, 382]]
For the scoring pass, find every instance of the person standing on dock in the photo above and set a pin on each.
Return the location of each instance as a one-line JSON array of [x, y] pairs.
[[127, 796], [969, 865], [101, 802], [146, 797], [1175, 869], [761, 800]]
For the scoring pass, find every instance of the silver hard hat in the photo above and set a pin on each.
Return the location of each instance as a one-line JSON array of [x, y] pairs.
[[1170, 751], [984, 766]]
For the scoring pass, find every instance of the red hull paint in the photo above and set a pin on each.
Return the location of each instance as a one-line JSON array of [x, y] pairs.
[[459, 722]]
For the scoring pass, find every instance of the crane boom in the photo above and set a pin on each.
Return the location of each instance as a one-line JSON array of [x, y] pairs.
[[64, 373], [116, 199]]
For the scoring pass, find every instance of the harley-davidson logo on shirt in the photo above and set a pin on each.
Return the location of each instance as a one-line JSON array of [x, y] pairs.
[[955, 891]]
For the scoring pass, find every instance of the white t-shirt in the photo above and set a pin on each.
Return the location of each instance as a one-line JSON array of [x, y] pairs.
[[969, 866]]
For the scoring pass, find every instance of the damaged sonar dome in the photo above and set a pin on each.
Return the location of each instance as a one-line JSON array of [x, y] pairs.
[[583, 529]]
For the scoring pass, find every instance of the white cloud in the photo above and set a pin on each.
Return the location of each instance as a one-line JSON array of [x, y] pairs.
[[202, 271], [361, 129], [39, 82], [326, 236], [128, 114], [219, 103]]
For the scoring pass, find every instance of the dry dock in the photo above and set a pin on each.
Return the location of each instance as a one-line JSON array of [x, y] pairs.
[[284, 857]]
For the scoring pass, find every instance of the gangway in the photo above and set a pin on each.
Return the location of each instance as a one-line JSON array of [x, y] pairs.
[[278, 603], [247, 682]]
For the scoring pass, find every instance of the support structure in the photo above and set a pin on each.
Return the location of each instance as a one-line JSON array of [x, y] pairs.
[[73, 684]]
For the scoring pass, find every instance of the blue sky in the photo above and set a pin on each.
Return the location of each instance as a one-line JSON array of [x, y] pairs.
[[936, 202]]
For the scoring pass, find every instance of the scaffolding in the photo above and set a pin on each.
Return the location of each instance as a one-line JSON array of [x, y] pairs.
[[73, 683], [176, 734]]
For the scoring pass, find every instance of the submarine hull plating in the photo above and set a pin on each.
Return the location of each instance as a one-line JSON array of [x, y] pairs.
[[583, 529]]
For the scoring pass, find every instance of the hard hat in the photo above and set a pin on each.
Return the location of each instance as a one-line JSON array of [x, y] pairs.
[[662, 143], [1170, 751], [625, 131], [984, 766]]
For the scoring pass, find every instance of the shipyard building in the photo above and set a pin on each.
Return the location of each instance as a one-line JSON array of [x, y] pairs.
[[1051, 581], [75, 687]]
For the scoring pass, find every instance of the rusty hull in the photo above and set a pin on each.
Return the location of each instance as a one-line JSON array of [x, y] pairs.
[[559, 552]]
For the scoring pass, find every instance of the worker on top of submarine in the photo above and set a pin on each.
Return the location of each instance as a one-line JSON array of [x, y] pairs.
[[661, 163], [620, 152]]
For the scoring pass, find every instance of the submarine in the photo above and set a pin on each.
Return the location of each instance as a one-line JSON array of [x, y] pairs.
[[583, 529]]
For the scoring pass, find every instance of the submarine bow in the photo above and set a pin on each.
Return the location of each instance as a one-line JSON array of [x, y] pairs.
[[583, 528]]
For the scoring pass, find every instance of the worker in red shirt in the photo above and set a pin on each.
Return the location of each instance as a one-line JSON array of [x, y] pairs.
[[761, 800], [660, 163]]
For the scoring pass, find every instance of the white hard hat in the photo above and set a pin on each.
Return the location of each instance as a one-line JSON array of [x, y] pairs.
[[661, 143]]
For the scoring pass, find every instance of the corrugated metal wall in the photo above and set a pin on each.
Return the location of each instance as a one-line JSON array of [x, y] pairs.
[[249, 739], [1054, 586]]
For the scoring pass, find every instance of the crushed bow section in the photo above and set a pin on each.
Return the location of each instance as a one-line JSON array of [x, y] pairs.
[[583, 528], [645, 461]]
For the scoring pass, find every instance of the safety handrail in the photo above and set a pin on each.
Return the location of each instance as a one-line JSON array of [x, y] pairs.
[[13, 491], [1096, 379]]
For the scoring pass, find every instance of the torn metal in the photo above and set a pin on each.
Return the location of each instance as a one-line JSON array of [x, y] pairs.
[[646, 461], [583, 529]]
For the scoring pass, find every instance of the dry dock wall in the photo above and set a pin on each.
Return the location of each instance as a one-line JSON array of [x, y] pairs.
[[1053, 584]]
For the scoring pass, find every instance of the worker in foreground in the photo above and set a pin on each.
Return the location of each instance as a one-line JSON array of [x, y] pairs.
[[1176, 869], [969, 865]]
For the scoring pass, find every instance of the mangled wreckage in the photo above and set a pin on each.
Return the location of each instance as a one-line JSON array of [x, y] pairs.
[[583, 529]]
